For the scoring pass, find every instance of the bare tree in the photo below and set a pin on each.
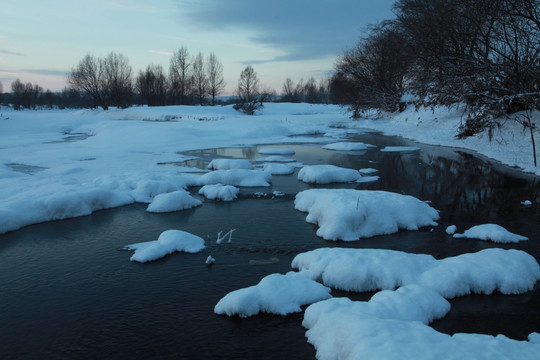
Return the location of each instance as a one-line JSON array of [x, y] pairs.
[[152, 85], [200, 81], [1, 94], [288, 91], [216, 83], [89, 76], [180, 75], [248, 91], [118, 79]]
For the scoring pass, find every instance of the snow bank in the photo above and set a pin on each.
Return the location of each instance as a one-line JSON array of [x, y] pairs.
[[508, 271], [348, 146], [225, 164], [174, 201], [366, 179], [491, 232], [368, 171], [219, 192], [326, 174], [275, 293], [237, 177], [168, 242], [393, 325], [276, 151], [346, 214], [278, 169]]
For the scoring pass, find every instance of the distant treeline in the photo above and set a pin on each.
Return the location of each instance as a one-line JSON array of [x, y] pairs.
[[482, 53], [190, 80]]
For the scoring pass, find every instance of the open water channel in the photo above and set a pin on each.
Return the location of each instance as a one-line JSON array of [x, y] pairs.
[[67, 290]]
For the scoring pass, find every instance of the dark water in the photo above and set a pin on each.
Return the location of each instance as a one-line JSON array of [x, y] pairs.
[[68, 291]]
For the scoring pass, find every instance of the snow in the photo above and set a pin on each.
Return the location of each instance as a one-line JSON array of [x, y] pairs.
[[326, 174], [347, 214], [237, 177], [348, 146], [526, 203], [278, 169], [368, 171], [174, 201], [219, 192], [366, 179], [168, 242], [275, 158], [276, 294], [451, 230], [276, 151], [400, 149], [493, 232], [224, 164]]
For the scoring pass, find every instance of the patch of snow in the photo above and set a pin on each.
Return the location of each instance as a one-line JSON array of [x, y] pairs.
[[219, 192], [275, 158], [226, 164], [168, 242], [493, 232], [210, 260], [368, 171], [237, 177], [366, 179], [278, 169], [348, 146], [346, 214], [228, 234], [400, 149], [174, 201], [326, 174], [451, 230], [526, 203], [276, 151], [275, 294]]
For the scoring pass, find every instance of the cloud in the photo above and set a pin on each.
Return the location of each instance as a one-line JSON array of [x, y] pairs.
[[47, 72], [302, 29], [7, 52], [165, 53]]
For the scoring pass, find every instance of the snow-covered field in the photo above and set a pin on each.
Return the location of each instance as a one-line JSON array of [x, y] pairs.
[[60, 164]]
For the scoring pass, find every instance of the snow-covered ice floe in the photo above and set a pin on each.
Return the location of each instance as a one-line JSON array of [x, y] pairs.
[[276, 151], [219, 192], [393, 324], [225, 164], [173, 201], [276, 293], [346, 214], [275, 158], [493, 232], [326, 174], [348, 146], [400, 149], [168, 242], [278, 169], [366, 179], [237, 177], [368, 171]]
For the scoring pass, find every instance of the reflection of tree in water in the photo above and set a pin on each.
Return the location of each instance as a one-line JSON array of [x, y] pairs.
[[461, 187]]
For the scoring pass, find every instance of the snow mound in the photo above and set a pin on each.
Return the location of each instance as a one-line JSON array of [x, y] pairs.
[[493, 232], [326, 174], [278, 169], [174, 201], [348, 146], [168, 242], [368, 171], [275, 293], [275, 158], [346, 214], [225, 164], [400, 149], [237, 177], [508, 271], [276, 151], [451, 230], [366, 179], [393, 325], [219, 192]]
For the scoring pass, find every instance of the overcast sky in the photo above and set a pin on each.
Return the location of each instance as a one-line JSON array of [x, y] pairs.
[[41, 40]]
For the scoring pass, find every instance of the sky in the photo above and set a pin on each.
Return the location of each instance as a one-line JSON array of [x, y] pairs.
[[41, 41]]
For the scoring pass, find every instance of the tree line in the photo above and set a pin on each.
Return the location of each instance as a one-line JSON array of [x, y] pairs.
[[482, 53]]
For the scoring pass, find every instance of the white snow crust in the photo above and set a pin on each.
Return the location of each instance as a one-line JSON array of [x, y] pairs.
[[219, 192], [493, 232], [278, 169], [226, 164], [326, 174], [168, 242], [173, 201], [348, 146], [276, 293], [346, 214], [237, 177], [275, 158]]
